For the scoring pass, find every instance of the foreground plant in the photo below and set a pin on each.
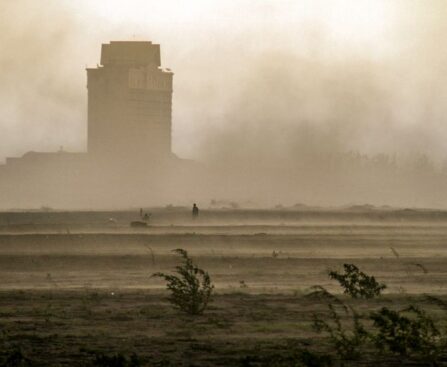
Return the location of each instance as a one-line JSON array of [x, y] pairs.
[[410, 332], [346, 340], [191, 289], [117, 360], [405, 332], [287, 358], [15, 358], [356, 283]]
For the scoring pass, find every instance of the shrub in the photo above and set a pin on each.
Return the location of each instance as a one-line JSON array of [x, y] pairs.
[[191, 290], [320, 293], [117, 360], [287, 358], [407, 331], [356, 283], [312, 359], [346, 341]]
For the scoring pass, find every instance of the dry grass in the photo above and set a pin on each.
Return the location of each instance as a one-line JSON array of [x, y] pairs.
[[56, 326]]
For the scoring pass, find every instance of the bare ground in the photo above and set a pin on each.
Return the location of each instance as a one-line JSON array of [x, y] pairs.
[[68, 294], [55, 328]]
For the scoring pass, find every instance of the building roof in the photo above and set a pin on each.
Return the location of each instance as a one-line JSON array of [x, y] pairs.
[[135, 53]]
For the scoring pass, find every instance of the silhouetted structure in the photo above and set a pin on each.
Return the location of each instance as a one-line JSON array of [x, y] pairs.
[[128, 143], [129, 103], [129, 109]]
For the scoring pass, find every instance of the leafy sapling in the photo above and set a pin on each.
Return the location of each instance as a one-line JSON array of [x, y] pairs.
[[356, 283], [191, 289]]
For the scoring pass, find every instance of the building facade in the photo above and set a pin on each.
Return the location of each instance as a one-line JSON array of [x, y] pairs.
[[129, 104], [129, 158]]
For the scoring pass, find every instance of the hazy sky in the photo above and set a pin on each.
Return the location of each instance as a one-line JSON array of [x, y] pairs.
[[370, 73]]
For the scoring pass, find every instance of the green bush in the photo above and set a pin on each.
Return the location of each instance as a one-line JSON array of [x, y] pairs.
[[191, 290], [407, 331], [356, 283]]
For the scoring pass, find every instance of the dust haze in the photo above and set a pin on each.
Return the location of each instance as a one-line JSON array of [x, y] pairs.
[[182, 183], [273, 103]]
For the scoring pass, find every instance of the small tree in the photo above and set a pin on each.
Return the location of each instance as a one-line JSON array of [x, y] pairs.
[[191, 290], [356, 283]]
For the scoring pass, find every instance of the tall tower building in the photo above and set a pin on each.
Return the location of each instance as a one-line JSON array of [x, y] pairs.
[[129, 104]]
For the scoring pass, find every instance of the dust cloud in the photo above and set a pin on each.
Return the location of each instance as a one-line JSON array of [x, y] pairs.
[[40, 98], [276, 110]]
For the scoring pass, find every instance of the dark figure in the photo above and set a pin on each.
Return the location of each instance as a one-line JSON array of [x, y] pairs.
[[195, 211]]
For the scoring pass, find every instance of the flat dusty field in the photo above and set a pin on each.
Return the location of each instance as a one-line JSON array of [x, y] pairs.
[[74, 286]]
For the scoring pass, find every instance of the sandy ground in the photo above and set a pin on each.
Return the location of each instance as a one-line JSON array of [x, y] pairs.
[[70, 291], [410, 259]]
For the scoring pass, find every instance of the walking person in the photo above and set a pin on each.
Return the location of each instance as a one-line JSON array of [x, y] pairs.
[[195, 211]]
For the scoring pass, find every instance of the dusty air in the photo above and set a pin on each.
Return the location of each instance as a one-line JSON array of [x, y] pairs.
[[212, 184]]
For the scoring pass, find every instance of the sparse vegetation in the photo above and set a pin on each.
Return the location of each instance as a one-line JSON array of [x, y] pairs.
[[16, 358], [346, 340], [151, 252], [394, 251], [356, 283], [407, 331], [322, 294], [101, 319], [289, 358], [117, 360], [308, 358], [191, 290]]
